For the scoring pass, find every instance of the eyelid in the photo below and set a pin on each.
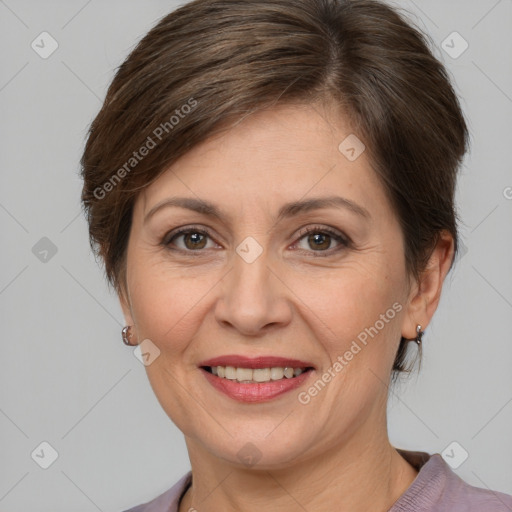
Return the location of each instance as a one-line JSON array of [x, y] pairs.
[[317, 228], [184, 230]]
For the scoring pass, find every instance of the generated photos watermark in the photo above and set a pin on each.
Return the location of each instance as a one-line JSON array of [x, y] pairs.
[[158, 134], [304, 397]]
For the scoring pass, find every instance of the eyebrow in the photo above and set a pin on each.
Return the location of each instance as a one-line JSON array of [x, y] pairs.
[[286, 211]]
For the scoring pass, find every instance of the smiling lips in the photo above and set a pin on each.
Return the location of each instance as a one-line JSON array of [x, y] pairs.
[[255, 379]]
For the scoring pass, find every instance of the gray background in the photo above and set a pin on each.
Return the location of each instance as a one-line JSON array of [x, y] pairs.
[[67, 379]]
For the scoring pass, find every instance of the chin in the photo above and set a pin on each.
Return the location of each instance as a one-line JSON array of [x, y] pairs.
[[258, 452]]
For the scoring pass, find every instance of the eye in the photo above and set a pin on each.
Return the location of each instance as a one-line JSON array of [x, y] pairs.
[[194, 239], [318, 237], [321, 238]]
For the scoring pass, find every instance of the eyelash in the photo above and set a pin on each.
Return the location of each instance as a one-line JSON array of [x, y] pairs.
[[343, 241]]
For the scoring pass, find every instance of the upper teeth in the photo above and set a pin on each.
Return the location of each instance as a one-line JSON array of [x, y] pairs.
[[256, 374]]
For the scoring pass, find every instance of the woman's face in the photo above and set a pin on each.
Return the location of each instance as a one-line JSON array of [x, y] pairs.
[[259, 286]]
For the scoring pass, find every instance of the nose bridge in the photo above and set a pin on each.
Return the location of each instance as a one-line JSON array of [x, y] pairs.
[[251, 255], [250, 276]]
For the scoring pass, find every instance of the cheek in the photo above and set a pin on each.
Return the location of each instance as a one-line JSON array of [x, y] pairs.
[[355, 315], [168, 303], [350, 299]]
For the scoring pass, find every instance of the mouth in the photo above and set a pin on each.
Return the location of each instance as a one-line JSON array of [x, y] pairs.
[[255, 379]]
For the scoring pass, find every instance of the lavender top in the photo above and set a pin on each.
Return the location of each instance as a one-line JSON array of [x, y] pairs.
[[436, 488]]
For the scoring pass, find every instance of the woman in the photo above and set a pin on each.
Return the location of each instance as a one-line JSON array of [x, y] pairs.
[[270, 185]]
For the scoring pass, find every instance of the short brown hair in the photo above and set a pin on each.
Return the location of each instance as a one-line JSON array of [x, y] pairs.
[[228, 58]]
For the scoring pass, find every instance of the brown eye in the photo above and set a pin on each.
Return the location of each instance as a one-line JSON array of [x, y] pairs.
[[193, 239], [320, 239]]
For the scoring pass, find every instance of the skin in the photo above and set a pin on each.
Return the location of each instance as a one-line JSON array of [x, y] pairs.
[[287, 302]]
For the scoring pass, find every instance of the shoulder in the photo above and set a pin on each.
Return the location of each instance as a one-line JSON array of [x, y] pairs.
[[459, 495], [438, 488], [167, 501]]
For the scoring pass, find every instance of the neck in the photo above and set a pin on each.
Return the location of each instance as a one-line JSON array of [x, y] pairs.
[[365, 473]]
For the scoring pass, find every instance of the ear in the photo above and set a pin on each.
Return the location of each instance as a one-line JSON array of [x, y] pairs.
[[425, 295]]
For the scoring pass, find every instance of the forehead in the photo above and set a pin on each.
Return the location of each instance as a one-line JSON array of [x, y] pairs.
[[270, 158]]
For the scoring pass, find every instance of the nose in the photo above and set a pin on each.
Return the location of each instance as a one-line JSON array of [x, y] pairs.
[[254, 299]]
